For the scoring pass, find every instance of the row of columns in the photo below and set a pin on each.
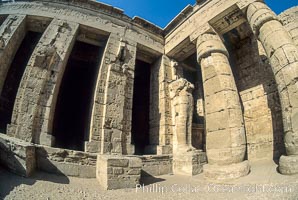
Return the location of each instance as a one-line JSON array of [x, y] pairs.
[[283, 55], [225, 140], [34, 106]]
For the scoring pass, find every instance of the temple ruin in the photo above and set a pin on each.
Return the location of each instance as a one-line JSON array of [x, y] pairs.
[[87, 91]]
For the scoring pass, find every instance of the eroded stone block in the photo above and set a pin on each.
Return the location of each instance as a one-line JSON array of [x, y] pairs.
[[189, 163], [16, 155], [116, 172]]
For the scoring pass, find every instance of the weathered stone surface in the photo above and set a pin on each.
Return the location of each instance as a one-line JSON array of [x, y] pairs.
[[259, 96], [160, 108], [117, 172], [189, 163], [289, 19], [283, 56], [12, 32], [182, 110], [288, 165], [228, 172], [35, 102], [225, 139], [66, 162], [17, 155], [156, 165]]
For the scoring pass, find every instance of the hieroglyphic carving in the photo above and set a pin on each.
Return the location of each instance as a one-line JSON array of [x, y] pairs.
[[115, 139], [36, 98]]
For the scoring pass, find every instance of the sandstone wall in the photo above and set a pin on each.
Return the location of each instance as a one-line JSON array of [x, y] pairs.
[[67, 162], [259, 96]]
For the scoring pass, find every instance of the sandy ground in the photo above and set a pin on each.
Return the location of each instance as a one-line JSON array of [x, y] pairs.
[[262, 183]]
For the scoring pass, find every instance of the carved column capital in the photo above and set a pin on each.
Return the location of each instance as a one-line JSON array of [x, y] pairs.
[[258, 13], [209, 43]]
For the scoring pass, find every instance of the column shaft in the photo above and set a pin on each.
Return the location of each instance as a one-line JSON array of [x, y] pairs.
[[12, 32], [283, 55], [225, 135], [116, 132], [112, 108], [160, 134], [36, 98]]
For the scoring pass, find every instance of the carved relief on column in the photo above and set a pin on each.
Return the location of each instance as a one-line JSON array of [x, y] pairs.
[[225, 135], [182, 104], [283, 55], [12, 32], [36, 98], [160, 133], [116, 129], [109, 57], [112, 108]]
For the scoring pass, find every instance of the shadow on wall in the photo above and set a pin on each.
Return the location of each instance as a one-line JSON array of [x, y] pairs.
[[258, 94]]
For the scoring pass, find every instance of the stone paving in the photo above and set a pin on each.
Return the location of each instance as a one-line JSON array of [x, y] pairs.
[[262, 183]]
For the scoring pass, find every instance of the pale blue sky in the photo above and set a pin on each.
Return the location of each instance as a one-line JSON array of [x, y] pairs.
[[161, 12]]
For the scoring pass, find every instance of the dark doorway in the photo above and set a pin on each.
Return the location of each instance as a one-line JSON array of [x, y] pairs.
[[14, 77], [141, 106], [73, 107], [2, 19]]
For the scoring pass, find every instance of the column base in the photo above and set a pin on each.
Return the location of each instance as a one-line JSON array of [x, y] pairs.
[[288, 165], [226, 172]]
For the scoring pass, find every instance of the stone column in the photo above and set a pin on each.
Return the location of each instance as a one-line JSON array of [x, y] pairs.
[[160, 134], [225, 133], [36, 98], [117, 112], [12, 33], [110, 131], [109, 56], [283, 55]]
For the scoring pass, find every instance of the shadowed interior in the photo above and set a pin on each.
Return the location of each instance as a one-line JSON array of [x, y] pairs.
[[74, 103], [141, 106], [14, 77]]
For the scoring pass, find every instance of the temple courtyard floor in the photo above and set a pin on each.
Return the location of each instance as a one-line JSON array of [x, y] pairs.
[[263, 182]]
